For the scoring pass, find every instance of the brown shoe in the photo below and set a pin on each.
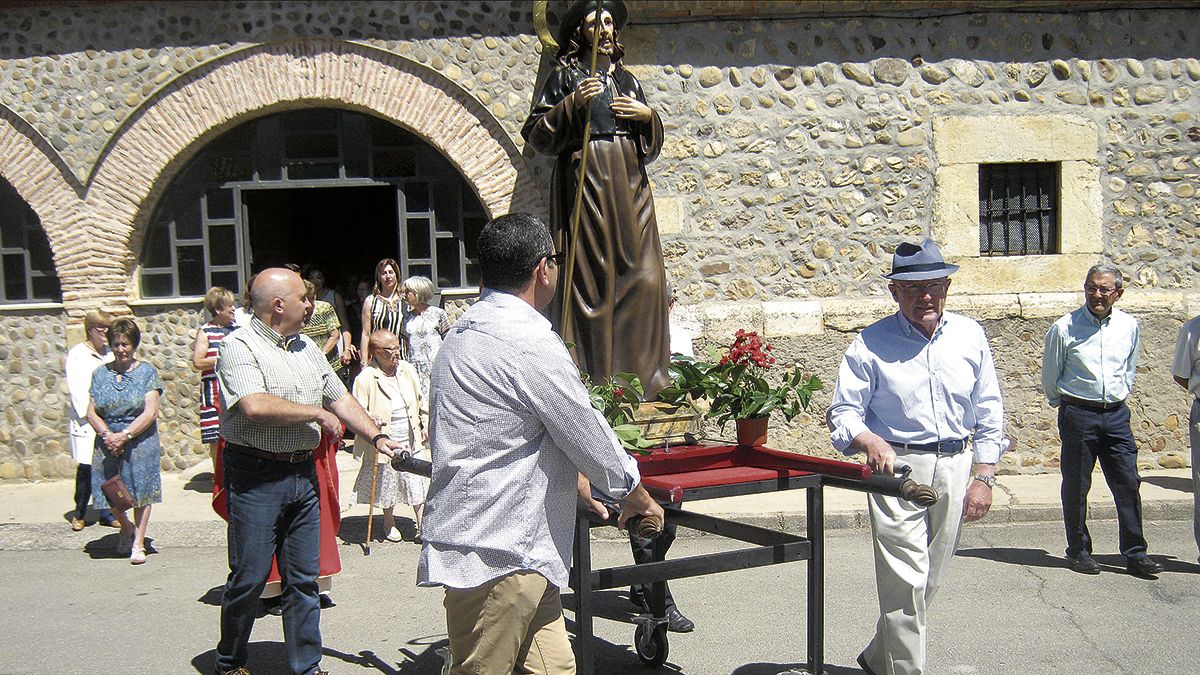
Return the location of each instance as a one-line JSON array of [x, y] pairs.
[[77, 524]]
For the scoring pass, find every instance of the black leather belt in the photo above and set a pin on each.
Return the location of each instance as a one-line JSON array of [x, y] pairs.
[[286, 457], [1090, 405], [941, 447]]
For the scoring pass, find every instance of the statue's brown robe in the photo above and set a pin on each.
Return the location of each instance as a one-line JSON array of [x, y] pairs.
[[619, 287]]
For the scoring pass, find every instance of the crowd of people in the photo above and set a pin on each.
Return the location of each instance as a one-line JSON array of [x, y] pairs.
[[504, 405], [114, 397]]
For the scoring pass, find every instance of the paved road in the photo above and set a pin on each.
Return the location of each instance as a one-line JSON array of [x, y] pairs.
[[1010, 607]]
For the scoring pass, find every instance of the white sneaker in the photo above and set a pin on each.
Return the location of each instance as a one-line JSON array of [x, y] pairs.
[[394, 535]]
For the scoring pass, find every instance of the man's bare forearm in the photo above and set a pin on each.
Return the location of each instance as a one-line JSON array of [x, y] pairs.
[[273, 411]]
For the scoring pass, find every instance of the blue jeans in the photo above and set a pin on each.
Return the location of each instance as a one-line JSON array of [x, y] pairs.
[[273, 510]]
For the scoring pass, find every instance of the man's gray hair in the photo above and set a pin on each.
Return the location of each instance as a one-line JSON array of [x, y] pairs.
[[1105, 268]]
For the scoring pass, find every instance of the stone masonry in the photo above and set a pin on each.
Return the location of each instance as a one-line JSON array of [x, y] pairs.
[[800, 151]]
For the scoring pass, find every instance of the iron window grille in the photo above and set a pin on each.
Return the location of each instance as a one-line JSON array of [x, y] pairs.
[[1018, 209]]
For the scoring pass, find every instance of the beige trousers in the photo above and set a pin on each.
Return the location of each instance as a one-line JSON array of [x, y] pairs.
[[913, 550], [513, 624]]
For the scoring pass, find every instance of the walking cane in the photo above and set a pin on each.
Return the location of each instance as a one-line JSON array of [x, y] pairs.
[[576, 212], [371, 504]]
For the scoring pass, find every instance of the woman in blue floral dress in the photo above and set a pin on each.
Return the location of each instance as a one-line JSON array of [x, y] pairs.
[[123, 410]]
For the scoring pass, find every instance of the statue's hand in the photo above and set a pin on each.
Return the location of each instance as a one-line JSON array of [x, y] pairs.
[[588, 89], [629, 108]]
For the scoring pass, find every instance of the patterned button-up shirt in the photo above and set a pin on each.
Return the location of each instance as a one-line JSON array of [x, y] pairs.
[[1089, 358], [255, 359], [907, 388], [510, 428]]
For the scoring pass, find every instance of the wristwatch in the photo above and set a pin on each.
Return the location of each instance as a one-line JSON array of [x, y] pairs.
[[987, 480]]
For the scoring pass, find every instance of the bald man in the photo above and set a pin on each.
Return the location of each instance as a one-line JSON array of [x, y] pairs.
[[279, 394]]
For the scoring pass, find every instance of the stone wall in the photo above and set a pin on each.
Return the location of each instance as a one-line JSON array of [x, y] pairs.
[[800, 151], [168, 334], [33, 395]]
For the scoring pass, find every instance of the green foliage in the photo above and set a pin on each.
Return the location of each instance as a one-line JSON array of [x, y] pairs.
[[734, 379], [735, 382], [617, 398]]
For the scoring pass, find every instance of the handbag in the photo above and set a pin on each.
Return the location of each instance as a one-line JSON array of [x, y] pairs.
[[117, 494]]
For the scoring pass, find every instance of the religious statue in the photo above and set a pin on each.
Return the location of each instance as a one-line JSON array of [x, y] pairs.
[[616, 295]]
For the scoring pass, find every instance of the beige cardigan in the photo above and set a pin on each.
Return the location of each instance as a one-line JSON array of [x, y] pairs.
[[370, 394]]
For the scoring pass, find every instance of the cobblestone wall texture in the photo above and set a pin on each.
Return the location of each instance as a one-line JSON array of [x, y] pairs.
[[33, 396], [799, 153]]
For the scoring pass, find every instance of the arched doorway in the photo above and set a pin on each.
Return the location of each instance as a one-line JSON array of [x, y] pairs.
[[338, 188]]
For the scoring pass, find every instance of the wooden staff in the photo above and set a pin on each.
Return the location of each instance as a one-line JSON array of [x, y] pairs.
[[371, 504], [576, 212]]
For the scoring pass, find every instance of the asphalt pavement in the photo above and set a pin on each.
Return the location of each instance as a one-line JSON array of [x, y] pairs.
[[1010, 606]]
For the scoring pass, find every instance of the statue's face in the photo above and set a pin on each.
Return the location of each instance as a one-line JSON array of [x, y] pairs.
[[607, 30]]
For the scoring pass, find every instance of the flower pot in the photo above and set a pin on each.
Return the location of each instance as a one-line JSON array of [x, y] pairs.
[[752, 431]]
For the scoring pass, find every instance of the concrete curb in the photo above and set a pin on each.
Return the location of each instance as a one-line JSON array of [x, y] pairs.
[[211, 533]]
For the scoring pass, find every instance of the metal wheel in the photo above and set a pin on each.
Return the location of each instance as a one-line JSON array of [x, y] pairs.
[[651, 645]]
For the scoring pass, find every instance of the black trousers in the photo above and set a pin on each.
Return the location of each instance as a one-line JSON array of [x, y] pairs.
[[1089, 435], [643, 552], [83, 489]]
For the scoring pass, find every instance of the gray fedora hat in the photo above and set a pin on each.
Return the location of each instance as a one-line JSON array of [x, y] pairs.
[[911, 262]]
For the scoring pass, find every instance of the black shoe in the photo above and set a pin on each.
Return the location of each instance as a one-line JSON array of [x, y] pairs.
[[862, 663], [1143, 567], [1083, 563], [678, 623], [326, 601], [639, 600], [273, 606]]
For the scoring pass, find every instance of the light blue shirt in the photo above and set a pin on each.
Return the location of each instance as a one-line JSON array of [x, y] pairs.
[[895, 382], [1187, 356], [511, 428], [1089, 358]]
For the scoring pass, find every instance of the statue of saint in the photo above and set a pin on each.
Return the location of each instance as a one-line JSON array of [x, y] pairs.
[[618, 306]]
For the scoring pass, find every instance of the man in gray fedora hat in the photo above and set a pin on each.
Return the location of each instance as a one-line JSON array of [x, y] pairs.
[[917, 389]]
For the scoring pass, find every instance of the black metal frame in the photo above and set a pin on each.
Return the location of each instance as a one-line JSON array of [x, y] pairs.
[[770, 547]]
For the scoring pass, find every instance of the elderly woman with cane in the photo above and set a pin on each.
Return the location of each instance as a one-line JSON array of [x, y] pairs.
[[390, 391]]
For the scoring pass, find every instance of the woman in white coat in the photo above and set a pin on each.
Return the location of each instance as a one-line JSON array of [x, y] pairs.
[[82, 360], [390, 392]]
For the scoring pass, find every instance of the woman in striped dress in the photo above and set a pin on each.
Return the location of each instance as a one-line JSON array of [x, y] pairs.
[[219, 303], [381, 310]]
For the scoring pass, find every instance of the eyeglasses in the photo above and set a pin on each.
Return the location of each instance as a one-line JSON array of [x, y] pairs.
[[1103, 292], [391, 350], [934, 289], [557, 258]]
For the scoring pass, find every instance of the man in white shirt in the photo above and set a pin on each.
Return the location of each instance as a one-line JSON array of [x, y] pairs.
[[82, 360], [1186, 372], [918, 388], [511, 429]]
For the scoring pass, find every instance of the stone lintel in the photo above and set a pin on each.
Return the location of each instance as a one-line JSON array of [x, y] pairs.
[[986, 139], [1042, 305], [855, 314], [723, 319], [984, 307], [792, 317]]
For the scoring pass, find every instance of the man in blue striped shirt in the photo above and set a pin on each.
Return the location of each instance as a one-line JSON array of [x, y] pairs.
[[918, 389], [1088, 365]]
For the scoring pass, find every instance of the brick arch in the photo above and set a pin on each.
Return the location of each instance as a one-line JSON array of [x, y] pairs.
[[32, 167], [155, 144]]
